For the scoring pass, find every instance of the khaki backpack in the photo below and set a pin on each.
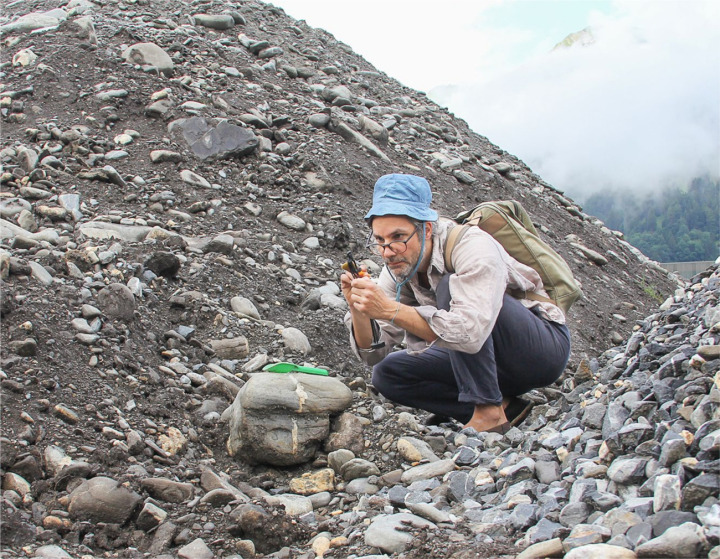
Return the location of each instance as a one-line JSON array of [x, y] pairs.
[[510, 225]]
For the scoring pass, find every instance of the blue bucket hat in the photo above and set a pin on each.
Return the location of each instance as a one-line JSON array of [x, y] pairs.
[[399, 194]]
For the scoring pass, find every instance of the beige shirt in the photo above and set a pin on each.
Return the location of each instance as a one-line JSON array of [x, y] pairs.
[[483, 271]]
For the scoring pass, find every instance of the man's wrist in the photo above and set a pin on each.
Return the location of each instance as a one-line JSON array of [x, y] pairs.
[[395, 313]]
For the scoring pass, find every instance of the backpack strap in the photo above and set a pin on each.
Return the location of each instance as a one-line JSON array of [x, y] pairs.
[[455, 234]]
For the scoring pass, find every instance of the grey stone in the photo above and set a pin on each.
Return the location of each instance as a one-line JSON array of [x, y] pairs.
[[196, 549], [524, 469], [389, 532], [397, 494], [547, 471], [574, 513], [337, 458], [40, 273], [214, 21], [639, 505], [639, 533], [244, 307], [117, 301], [358, 468], [600, 551], [603, 500], [627, 470], [231, 348], [165, 156], [686, 540], [162, 538], [159, 109], [71, 203], [540, 550], [672, 451], [150, 517], [614, 419], [361, 486], [222, 244], [163, 263], [545, 530], [291, 221], [594, 415], [666, 493], [663, 520], [270, 52], [223, 141], [102, 499], [168, 490], [149, 54], [427, 471], [319, 120], [581, 489], [619, 521], [698, 489], [460, 484], [586, 534], [429, 512], [194, 179], [9, 230], [295, 505], [10, 207], [283, 419], [711, 441], [351, 135], [295, 340], [34, 21], [631, 436], [465, 456], [523, 516]]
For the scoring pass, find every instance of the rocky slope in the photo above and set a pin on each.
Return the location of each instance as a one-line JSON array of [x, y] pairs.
[[180, 183]]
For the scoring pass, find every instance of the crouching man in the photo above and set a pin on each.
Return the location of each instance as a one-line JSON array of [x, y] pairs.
[[472, 349]]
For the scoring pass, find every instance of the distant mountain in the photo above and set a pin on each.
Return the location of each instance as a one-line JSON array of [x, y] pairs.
[[677, 225], [582, 38]]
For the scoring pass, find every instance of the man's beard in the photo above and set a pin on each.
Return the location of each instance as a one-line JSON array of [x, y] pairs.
[[403, 273]]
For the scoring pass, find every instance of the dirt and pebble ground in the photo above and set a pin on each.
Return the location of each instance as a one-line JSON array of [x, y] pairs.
[[94, 141]]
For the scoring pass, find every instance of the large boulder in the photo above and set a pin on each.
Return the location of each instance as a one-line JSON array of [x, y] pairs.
[[282, 419], [223, 141]]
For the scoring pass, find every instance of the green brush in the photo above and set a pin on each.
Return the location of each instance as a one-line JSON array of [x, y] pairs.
[[284, 367]]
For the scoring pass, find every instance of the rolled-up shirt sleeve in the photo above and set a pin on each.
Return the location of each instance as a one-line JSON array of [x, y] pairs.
[[476, 290], [390, 335]]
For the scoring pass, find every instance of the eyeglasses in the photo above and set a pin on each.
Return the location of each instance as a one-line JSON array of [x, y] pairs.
[[398, 247]]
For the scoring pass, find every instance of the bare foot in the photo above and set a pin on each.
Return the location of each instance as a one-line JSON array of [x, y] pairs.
[[486, 417]]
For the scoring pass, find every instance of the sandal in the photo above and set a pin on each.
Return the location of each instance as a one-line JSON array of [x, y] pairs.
[[517, 410], [436, 419], [502, 428]]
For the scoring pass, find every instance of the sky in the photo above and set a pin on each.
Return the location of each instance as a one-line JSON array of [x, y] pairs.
[[638, 109]]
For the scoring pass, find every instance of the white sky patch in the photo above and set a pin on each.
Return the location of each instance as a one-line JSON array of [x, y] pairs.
[[637, 110], [420, 43]]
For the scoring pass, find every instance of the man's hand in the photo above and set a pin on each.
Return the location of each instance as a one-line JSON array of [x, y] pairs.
[[346, 285], [366, 297]]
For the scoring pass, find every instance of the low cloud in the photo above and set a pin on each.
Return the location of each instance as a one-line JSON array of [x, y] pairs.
[[638, 109]]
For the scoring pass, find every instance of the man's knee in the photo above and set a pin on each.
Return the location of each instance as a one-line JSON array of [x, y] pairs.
[[388, 379], [385, 380]]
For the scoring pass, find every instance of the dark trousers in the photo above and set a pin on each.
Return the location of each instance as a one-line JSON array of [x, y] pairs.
[[523, 352]]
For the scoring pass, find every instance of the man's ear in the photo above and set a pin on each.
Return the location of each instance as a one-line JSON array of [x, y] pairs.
[[429, 225]]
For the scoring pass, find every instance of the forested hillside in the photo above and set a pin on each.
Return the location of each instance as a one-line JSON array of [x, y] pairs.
[[676, 226]]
